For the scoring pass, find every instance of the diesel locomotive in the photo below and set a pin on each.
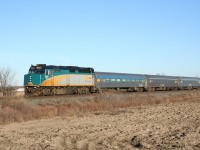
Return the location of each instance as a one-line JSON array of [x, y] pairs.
[[55, 80], [45, 79]]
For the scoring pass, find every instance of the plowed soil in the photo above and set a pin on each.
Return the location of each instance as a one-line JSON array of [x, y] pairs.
[[164, 126]]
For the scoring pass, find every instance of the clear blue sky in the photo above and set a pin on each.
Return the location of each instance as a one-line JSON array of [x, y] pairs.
[[132, 36]]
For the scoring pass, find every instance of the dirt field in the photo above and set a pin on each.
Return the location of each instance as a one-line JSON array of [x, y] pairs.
[[166, 126]]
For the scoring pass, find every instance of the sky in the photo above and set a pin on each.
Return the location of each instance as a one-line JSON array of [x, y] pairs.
[[127, 36]]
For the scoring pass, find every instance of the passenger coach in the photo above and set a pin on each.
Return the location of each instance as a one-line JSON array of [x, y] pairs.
[[130, 82]]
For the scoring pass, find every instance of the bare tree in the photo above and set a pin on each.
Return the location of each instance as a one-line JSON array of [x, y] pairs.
[[7, 77]]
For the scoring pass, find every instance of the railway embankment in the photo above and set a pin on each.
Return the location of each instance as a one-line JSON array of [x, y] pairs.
[[21, 109]]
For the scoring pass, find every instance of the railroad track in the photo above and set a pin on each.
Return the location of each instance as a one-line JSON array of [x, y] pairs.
[[113, 95], [65, 99], [105, 92]]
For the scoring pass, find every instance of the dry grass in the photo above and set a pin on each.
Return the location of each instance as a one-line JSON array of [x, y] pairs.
[[19, 109]]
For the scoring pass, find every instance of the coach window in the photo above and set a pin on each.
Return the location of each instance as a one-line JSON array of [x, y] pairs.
[[123, 80], [107, 80], [112, 80], [118, 80]]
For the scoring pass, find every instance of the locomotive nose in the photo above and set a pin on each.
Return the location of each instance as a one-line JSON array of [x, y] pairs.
[[27, 79]]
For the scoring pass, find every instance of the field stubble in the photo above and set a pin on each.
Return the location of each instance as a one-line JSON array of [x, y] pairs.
[[108, 121]]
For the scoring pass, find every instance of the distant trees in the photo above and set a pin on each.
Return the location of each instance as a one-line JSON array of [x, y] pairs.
[[7, 77]]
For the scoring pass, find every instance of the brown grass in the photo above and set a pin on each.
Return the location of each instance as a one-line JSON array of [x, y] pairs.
[[19, 109]]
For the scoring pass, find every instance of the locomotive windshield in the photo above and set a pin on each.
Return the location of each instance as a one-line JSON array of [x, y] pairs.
[[37, 69]]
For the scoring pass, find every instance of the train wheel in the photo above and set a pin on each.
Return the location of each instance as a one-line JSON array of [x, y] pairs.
[[87, 90]]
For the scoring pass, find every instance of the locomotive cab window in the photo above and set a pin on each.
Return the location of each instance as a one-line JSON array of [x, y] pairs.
[[47, 72], [57, 70], [72, 70]]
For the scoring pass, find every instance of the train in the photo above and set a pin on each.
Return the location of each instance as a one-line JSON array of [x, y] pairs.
[[43, 80]]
